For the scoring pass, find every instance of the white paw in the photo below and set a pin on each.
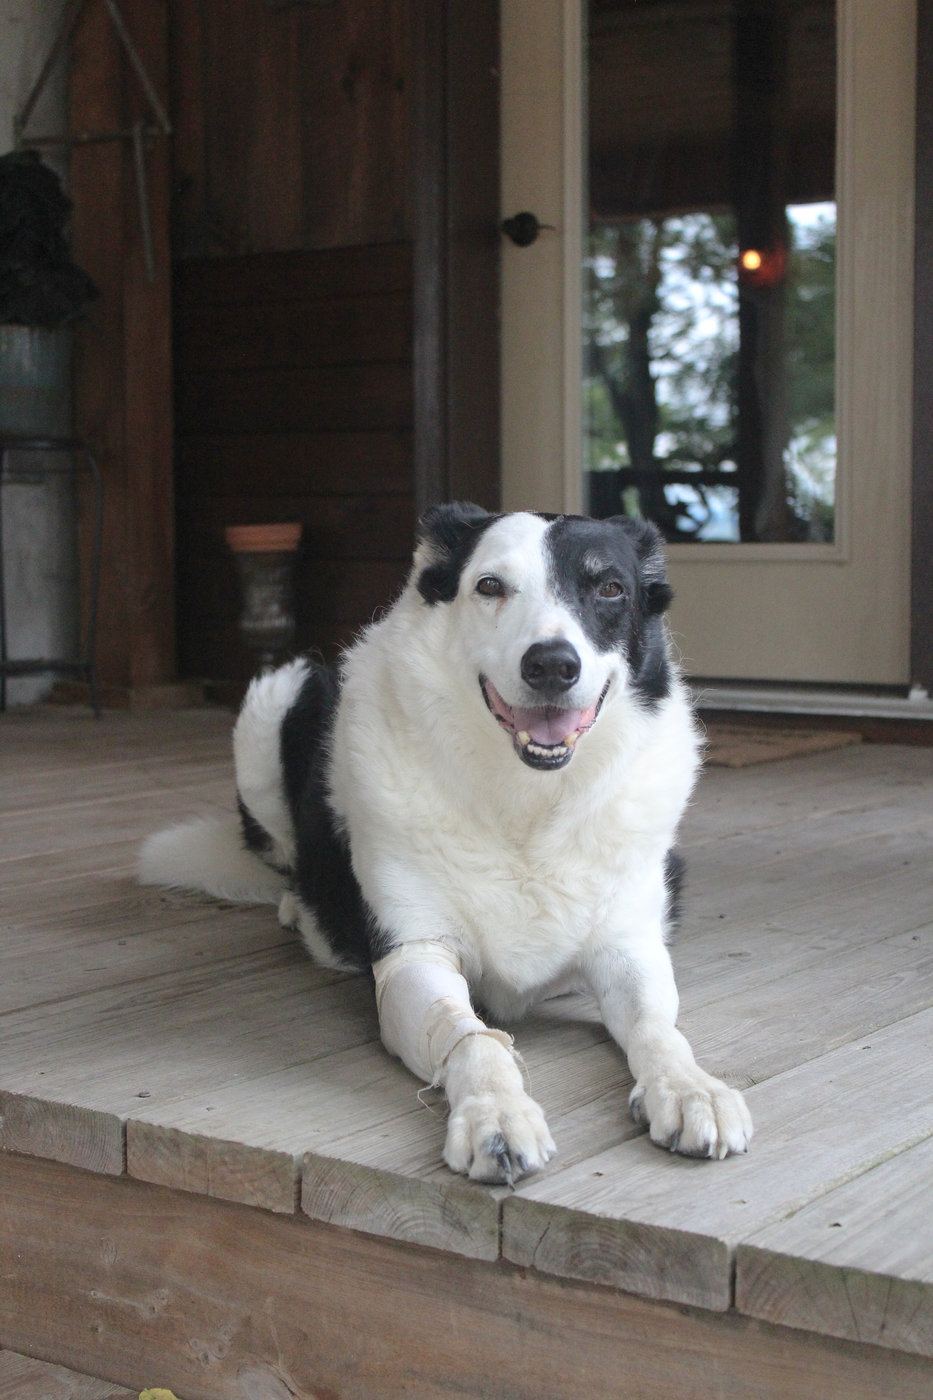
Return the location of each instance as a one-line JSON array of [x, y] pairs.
[[497, 1137], [690, 1112]]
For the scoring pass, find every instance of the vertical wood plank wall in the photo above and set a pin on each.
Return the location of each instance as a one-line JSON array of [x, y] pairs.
[[292, 308], [123, 402]]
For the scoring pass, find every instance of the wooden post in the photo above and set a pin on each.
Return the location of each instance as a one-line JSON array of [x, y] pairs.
[[456, 252], [123, 368]]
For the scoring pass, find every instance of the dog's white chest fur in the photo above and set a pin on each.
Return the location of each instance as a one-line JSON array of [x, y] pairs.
[[520, 870]]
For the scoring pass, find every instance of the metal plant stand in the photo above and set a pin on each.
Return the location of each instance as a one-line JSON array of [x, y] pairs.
[[77, 457]]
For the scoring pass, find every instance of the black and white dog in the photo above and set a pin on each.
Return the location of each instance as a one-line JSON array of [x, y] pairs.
[[483, 806]]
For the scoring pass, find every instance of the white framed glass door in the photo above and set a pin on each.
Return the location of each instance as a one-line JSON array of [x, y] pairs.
[[834, 609]]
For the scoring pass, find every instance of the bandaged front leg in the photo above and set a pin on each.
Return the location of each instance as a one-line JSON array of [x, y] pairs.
[[495, 1132]]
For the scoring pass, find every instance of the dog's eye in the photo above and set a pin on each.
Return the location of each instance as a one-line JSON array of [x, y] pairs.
[[610, 589], [490, 587]]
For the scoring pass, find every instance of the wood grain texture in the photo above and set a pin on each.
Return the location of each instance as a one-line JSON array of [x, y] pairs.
[[376, 462], [351, 329], [342, 398], [22, 1378], [457, 1216], [218, 1301], [856, 1263], [146, 1043], [292, 125], [212, 1166], [384, 1175], [62, 1132], [295, 274], [370, 1145], [123, 356], [619, 1218]]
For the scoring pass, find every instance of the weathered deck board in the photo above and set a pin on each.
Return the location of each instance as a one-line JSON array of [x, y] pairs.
[[152, 1040], [64, 957], [618, 1218], [58, 792], [41, 742], [735, 956], [189, 1048], [857, 1263], [757, 1031], [68, 828], [792, 881]]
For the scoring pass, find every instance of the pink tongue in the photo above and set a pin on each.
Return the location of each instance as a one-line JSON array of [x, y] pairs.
[[547, 726]]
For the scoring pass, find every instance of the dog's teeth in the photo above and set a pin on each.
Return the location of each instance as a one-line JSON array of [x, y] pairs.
[[571, 739], [523, 737], [546, 750]]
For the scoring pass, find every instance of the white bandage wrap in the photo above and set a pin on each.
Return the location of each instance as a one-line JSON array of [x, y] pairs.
[[424, 1007]]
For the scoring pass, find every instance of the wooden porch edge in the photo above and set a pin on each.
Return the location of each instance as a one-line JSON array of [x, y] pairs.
[[142, 1285]]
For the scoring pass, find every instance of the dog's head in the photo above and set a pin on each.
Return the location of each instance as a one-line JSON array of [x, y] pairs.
[[553, 613]]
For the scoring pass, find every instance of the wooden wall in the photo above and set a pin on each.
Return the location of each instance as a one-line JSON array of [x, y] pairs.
[[292, 308], [122, 371], [293, 401], [292, 125]]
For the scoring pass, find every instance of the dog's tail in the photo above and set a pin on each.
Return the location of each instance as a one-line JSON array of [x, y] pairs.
[[245, 859], [209, 854]]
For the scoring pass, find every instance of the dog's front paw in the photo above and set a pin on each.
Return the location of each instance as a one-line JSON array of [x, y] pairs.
[[497, 1138], [690, 1112]]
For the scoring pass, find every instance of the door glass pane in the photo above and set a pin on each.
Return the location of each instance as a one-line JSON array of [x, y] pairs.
[[709, 288]]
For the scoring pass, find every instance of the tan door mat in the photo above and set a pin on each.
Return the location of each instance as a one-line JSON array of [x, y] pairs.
[[737, 745]]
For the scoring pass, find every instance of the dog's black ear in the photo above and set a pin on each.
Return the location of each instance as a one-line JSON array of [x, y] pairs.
[[446, 525], [447, 536], [649, 547]]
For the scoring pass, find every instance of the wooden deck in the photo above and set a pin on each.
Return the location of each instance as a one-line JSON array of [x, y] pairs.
[[216, 1181]]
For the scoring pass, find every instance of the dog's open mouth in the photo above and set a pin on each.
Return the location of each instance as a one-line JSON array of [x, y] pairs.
[[544, 737]]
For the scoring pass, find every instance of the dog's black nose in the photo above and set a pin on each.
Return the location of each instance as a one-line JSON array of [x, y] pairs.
[[551, 666]]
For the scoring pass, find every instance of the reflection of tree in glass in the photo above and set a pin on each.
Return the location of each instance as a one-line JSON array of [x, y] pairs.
[[811, 370], [661, 331]]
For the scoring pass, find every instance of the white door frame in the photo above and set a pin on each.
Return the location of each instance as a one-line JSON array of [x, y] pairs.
[[832, 613], [542, 112]]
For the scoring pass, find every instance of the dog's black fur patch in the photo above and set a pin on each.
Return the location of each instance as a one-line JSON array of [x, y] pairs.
[[323, 877], [583, 554], [453, 531]]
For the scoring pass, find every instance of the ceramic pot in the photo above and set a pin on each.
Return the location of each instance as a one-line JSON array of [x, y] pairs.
[[265, 562]]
